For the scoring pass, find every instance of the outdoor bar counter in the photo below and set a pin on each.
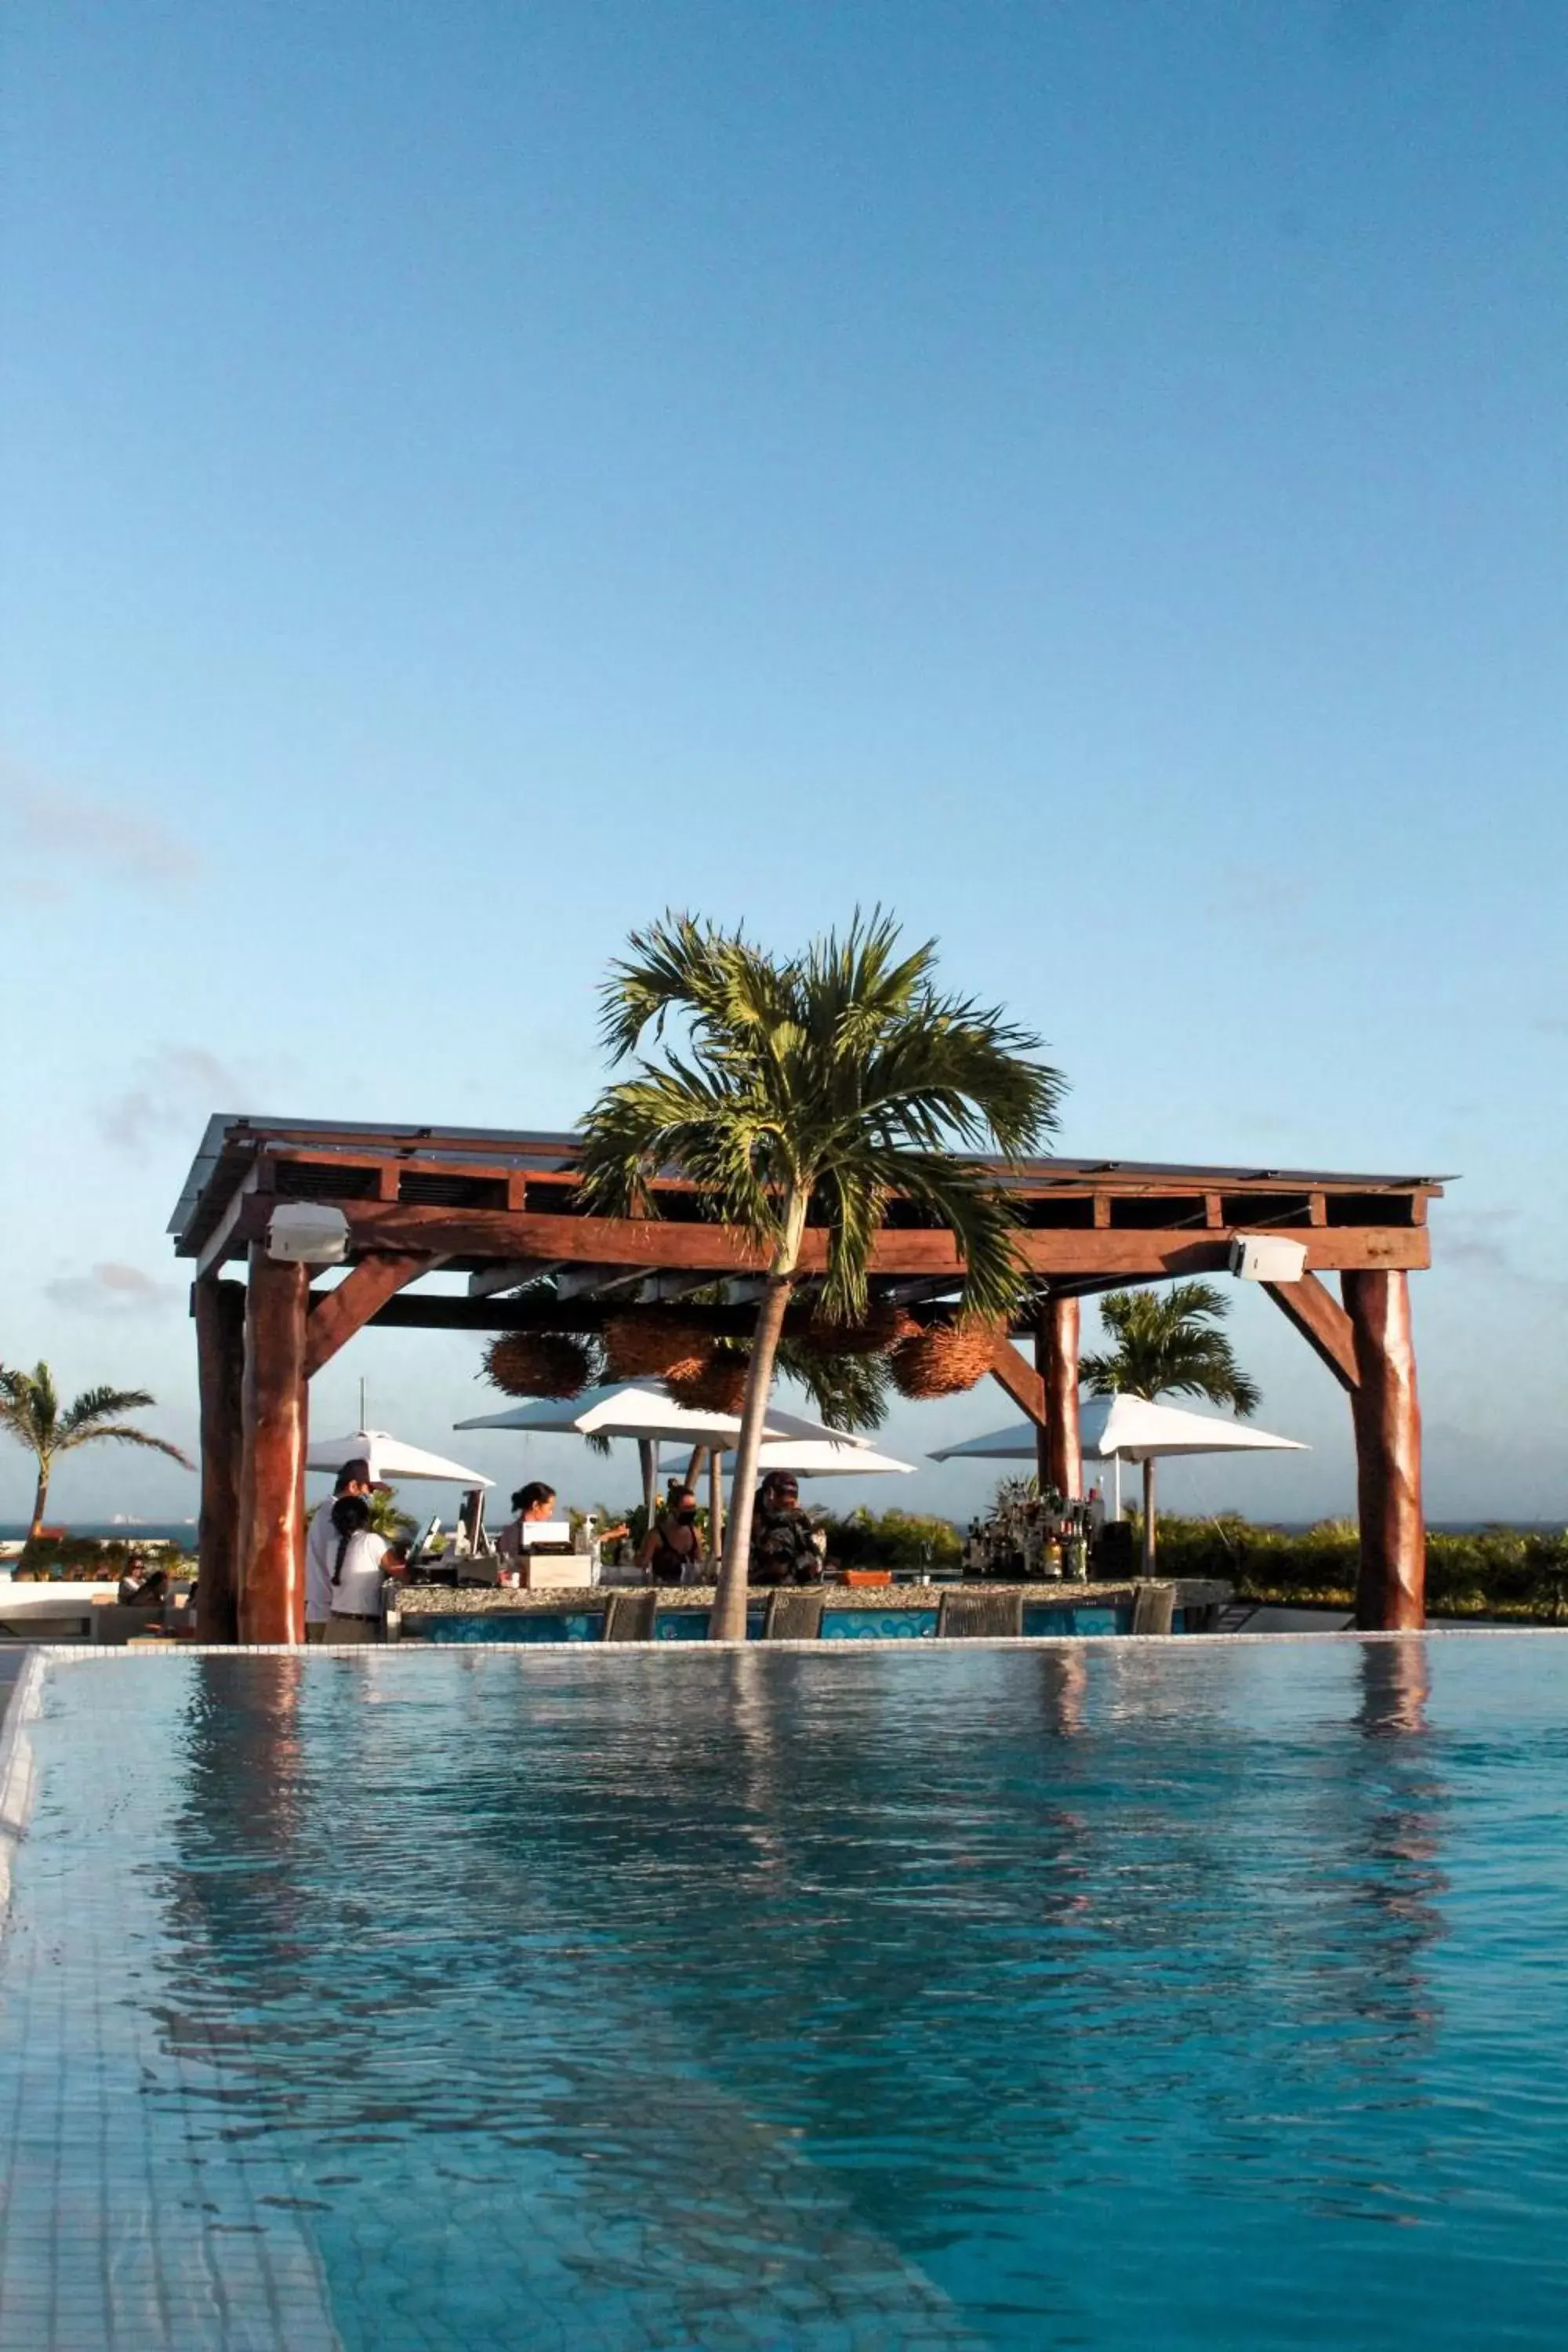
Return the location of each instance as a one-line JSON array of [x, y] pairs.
[[442, 1612]]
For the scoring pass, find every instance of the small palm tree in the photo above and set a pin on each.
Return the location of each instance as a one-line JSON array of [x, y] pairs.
[[1168, 1345], [805, 1091], [30, 1411]]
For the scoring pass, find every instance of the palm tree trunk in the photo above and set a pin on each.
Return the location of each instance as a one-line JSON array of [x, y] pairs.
[[728, 1621], [1149, 1518], [40, 1500]]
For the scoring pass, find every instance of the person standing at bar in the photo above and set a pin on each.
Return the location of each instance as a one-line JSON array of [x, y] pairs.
[[321, 1543], [362, 1561]]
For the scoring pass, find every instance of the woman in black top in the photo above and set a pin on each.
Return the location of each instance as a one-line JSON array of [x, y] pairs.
[[673, 1546]]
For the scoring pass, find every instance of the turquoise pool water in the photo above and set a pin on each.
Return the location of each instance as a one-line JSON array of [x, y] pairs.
[[1207, 1994]]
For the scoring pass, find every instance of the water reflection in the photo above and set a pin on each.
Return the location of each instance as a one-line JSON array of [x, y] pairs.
[[876, 1959]]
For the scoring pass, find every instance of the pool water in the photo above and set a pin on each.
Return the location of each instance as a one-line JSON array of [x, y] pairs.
[[1208, 1993]]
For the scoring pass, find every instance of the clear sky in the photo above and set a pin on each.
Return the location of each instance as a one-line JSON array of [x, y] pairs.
[[1090, 478]]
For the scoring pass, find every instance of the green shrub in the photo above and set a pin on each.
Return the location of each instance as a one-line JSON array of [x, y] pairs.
[[1492, 1572], [89, 1559], [892, 1539]]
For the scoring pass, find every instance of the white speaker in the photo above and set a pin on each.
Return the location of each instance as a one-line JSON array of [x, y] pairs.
[[306, 1233], [1267, 1257]]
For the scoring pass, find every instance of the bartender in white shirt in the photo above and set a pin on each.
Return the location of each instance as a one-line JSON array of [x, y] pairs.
[[321, 1545], [362, 1561]]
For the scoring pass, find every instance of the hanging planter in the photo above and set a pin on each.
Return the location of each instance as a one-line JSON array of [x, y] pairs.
[[654, 1348], [538, 1364], [877, 1330], [944, 1360], [718, 1386]]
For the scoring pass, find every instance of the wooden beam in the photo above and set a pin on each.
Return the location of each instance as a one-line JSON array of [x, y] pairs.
[[1064, 1444], [656, 1243], [1020, 1379], [1322, 1323], [337, 1314], [1390, 1585], [219, 1311], [272, 1476], [226, 1239], [495, 1279]]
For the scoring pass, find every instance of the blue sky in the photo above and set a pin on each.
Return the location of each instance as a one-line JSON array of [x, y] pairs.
[[1091, 478]]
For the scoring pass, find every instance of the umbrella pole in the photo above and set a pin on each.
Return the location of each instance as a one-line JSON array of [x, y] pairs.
[[1116, 1485], [716, 1503], [648, 1455], [1150, 1536]]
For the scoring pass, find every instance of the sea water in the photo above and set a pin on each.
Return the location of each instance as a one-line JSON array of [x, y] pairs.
[[1205, 1993]]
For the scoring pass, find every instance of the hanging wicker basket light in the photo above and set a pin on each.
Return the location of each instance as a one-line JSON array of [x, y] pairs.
[[877, 1330], [718, 1386], [943, 1360], [538, 1364], [654, 1348]]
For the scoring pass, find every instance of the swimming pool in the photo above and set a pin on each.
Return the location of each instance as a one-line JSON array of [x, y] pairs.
[[1196, 1993]]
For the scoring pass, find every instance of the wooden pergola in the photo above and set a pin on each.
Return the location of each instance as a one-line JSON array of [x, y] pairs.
[[503, 1208]]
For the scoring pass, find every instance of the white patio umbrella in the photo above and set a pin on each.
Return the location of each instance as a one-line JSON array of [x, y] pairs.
[[1119, 1429], [826, 1458], [621, 1409], [390, 1459]]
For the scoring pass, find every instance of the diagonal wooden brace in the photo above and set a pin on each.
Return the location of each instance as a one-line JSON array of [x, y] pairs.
[[1020, 1379], [1322, 1323], [338, 1314]]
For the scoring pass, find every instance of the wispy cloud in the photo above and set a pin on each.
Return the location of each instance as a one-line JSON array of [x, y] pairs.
[[55, 836], [1479, 1240], [111, 1289], [173, 1086], [1285, 901]]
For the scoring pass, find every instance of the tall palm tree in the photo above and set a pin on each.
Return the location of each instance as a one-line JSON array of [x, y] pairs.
[[30, 1411], [1168, 1345], [810, 1089]]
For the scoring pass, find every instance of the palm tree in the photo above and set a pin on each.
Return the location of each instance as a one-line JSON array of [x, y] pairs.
[[1168, 1346], [809, 1089], [30, 1411]]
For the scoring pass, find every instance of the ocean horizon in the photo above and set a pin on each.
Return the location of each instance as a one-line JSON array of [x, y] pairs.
[[182, 1532]]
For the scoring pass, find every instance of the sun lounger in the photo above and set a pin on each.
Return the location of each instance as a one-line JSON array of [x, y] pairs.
[[793, 1616], [978, 1616], [628, 1617], [1152, 1608]]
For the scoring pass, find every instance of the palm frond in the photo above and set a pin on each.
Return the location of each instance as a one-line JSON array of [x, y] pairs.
[[119, 1433], [849, 1392], [1167, 1346], [100, 1405]]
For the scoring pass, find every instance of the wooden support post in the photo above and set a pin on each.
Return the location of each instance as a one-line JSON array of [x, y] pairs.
[[272, 1530], [1043, 1372], [219, 1310], [1065, 1446], [1391, 1588]]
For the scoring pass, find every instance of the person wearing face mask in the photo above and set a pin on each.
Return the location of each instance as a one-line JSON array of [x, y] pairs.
[[672, 1549]]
